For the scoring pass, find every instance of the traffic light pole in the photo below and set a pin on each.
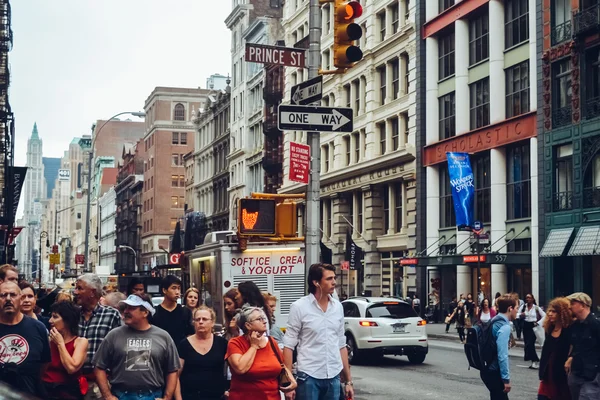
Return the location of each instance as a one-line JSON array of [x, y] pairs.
[[313, 205]]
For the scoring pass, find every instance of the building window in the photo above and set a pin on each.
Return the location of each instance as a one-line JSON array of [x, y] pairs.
[[347, 148], [398, 198], [480, 103], [481, 174], [347, 95], [174, 202], [356, 136], [395, 17], [516, 15], [325, 158], [174, 180], [395, 66], [563, 178], [517, 89], [446, 55], [592, 83], [382, 137], [447, 116], [395, 133], [382, 81], [381, 21], [359, 211], [518, 186], [445, 4], [404, 63], [175, 139], [356, 86], [385, 194], [478, 39], [561, 21], [173, 223], [179, 112], [183, 138], [561, 107], [325, 59], [175, 160], [181, 181], [447, 216]]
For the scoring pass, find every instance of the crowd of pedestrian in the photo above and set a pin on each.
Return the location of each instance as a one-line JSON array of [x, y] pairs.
[[97, 345]]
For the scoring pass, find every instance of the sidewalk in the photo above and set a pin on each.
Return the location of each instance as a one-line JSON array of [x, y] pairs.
[[438, 331]]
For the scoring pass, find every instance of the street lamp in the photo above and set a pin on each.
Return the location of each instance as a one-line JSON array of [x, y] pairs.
[[122, 246], [43, 234], [139, 114]]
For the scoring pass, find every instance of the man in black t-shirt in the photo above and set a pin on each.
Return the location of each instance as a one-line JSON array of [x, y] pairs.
[[170, 316], [24, 345]]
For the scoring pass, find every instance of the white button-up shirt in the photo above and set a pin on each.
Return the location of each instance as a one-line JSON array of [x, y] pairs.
[[319, 336]]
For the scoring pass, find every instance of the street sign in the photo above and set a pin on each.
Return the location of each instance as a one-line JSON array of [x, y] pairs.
[[54, 258], [64, 175], [299, 162], [174, 258], [308, 92], [477, 226], [79, 259], [264, 54], [484, 238], [319, 119]]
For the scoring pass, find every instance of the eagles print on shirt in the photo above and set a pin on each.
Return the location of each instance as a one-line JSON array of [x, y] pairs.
[[139, 352]]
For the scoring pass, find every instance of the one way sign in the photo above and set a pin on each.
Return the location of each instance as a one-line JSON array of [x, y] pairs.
[[320, 119], [308, 92]]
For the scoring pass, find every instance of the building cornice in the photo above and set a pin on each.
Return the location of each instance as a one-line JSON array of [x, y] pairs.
[[240, 11]]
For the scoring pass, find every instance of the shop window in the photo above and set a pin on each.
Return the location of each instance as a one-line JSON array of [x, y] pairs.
[[516, 16], [517, 89], [519, 246], [480, 103], [561, 93], [563, 178], [479, 48], [447, 216], [518, 186], [446, 54], [447, 109]]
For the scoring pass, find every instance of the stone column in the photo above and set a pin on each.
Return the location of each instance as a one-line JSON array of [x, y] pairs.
[[461, 56], [535, 221], [497, 77], [498, 209], [373, 215]]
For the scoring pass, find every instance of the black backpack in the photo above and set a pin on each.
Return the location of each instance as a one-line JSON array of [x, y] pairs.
[[480, 347]]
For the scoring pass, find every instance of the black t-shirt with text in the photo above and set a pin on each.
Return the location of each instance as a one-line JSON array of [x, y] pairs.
[[24, 348], [178, 323]]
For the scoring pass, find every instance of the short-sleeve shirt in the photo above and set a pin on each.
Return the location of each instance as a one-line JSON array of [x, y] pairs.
[[25, 347], [138, 360], [103, 320], [178, 323], [260, 382], [203, 375]]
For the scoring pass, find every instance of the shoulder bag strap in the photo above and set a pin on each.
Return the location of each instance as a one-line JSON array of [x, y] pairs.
[[271, 340]]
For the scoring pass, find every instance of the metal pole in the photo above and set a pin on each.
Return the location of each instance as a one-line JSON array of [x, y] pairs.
[[87, 213], [55, 223], [478, 267], [40, 264], [313, 140]]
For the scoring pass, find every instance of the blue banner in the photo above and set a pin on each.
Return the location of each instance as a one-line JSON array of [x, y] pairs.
[[463, 188]]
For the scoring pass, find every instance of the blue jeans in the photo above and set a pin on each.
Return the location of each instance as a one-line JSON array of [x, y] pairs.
[[310, 388], [138, 394]]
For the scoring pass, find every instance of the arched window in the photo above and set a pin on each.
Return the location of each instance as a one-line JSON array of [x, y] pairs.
[[179, 112]]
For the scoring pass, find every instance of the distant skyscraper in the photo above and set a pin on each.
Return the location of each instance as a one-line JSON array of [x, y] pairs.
[[216, 82], [51, 167]]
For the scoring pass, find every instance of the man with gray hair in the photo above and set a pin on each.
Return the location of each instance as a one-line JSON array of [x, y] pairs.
[[94, 324]]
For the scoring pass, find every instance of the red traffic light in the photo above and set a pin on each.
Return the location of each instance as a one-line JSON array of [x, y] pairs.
[[356, 7], [349, 10]]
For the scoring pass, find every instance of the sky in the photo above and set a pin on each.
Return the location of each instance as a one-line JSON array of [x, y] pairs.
[[76, 61]]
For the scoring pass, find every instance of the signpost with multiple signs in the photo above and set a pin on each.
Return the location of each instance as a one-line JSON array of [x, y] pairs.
[[309, 118], [299, 162], [264, 54], [308, 92]]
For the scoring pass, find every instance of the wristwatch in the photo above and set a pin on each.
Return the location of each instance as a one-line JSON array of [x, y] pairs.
[[350, 383]]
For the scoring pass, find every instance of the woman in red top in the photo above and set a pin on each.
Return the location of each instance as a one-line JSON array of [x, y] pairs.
[[255, 367], [62, 376]]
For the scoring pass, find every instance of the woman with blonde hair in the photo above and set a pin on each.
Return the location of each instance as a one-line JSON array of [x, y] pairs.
[[191, 299], [553, 378], [64, 295]]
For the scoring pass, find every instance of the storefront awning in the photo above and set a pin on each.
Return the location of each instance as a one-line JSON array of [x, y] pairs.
[[586, 242], [556, 242]]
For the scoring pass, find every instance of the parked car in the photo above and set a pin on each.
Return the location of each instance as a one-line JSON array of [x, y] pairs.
[[376, 326]]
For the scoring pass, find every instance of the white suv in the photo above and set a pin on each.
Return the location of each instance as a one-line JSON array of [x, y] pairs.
[[381, 325]]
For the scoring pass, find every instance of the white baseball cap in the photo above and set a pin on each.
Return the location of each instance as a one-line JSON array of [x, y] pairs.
[[136, 301]]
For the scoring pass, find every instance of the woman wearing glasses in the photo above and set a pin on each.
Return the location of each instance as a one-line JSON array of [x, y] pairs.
[[254, 359], [202, 357]]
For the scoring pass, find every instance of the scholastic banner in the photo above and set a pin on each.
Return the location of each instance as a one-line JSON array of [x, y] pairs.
[[354, 254], [463, 188]]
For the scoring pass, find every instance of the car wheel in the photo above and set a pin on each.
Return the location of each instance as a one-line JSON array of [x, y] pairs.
[[353, 352], [416, 358]]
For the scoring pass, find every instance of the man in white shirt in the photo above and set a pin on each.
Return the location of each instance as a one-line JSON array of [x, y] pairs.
[[316, 328]]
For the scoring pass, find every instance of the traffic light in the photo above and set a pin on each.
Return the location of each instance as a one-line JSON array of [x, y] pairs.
[[345, 32], [256, 217]]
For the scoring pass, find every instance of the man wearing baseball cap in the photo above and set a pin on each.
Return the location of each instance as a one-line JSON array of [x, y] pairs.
[[583, 364], [142, 358]]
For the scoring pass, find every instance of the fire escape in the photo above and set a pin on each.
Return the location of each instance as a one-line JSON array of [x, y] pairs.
[[9, 201], [273, 149]]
